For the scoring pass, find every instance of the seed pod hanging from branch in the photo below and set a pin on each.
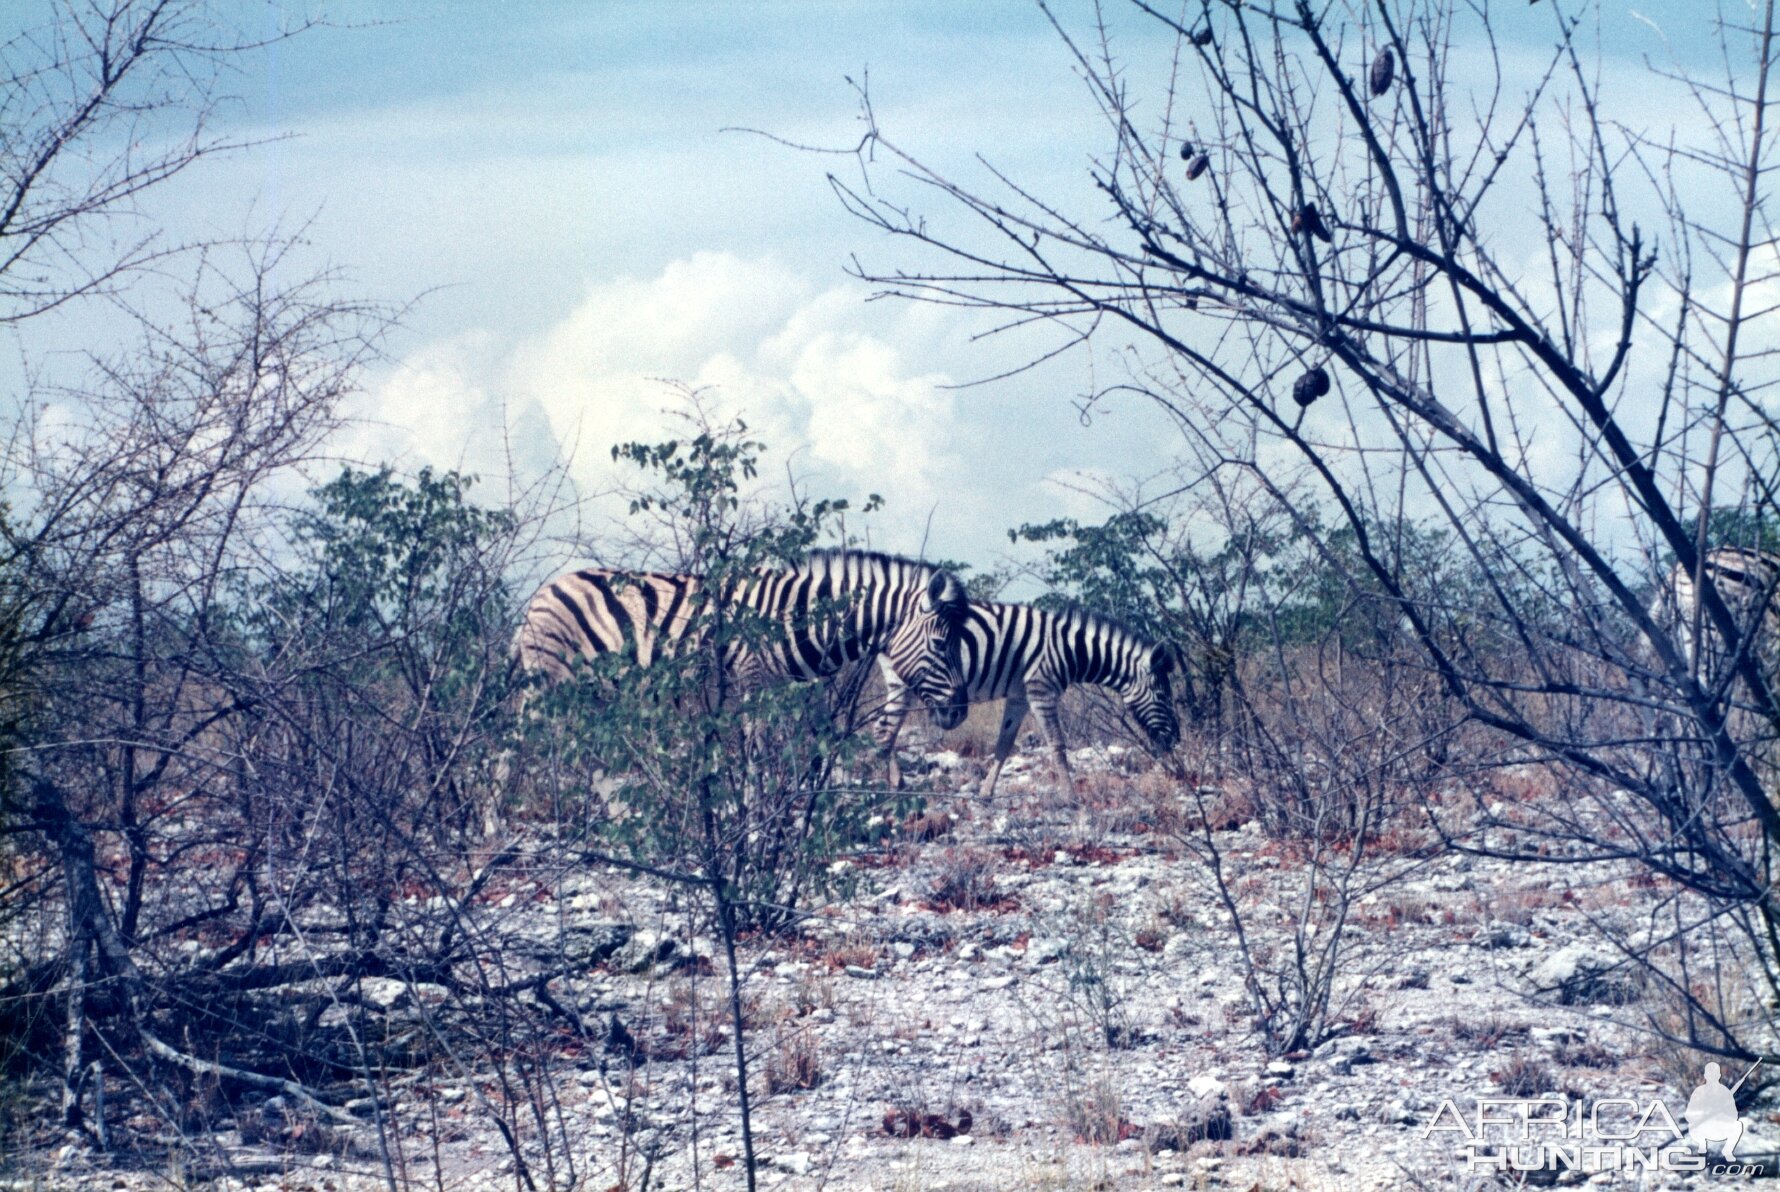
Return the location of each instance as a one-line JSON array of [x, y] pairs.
[[1310, 220], [1202, 37], [1384, 68], [1197, 167], [1310, 386]]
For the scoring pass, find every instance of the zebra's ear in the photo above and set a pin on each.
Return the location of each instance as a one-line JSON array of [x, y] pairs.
[[946, 596], [1162, 660]]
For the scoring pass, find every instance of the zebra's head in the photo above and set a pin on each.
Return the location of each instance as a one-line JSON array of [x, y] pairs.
[[1149, 697], [927, 653]]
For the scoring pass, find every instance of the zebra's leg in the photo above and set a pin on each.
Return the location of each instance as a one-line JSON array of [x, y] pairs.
[[1012, 716], [1045, 699], [896, 707]]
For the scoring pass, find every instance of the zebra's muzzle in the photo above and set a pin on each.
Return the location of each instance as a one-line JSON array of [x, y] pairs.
[[1163, 731], [951, 714]]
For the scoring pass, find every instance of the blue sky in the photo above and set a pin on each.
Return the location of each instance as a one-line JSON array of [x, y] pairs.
[[555, 179]]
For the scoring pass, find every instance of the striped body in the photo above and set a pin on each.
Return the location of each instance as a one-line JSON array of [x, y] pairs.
[[835, 608], [1030, 656], [1748, 581]]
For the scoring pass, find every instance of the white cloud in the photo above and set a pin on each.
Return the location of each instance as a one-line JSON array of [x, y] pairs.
[[815, 378]]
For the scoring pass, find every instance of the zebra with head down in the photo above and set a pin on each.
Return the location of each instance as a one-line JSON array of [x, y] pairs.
[[833, 608], [1748, 581], [1030, 656]]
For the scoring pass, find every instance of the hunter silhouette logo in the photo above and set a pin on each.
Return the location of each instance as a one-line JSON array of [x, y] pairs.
[[1712, 1113], [1556, 1132]]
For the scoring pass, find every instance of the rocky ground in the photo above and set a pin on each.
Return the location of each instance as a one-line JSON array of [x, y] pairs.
[[1039, 992]]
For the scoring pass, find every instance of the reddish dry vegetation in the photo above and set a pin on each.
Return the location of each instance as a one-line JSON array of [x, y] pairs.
[[966, 882], [929, 825], [1081, 854], [856, 955], [912, 1123], [1264, 1099], [1111, 1132]]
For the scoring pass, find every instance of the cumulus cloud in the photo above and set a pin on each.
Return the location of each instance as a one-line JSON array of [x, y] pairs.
[[815, 378]]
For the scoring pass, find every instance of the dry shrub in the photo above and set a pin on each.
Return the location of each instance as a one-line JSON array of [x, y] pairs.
[[1229, 806], [907, 1121], [795, 1064], [1274, 1140], [1487, 1033], [976, 737], [1180, 909], [1157, 797], [1094, 1113], [855, 955], [1363, 1018], [965, 881], [815, 991], [1262, 1100], [1205, 1121], [1522, 1076], [691, 1023], [1585, 1055], [929, 825]]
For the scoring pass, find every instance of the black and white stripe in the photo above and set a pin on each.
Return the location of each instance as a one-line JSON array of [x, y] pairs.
[[1029, 656], [836, 607], [1747, 581]]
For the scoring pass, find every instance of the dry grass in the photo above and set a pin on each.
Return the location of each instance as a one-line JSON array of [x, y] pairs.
[[814, 991], [1485, 1033], [965, 881], [856, 955], [929, 825], [909, 1121], [1094, 1113], [693, 1022], [795, 1063], [1152, 936], [1523, 1076], [976, 737], [1585, 1055]]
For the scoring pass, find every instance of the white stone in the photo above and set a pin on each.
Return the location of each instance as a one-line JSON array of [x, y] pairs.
[[1207, 1086], [383, 992]]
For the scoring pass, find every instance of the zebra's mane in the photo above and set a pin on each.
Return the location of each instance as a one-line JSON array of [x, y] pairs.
[[836, 559]]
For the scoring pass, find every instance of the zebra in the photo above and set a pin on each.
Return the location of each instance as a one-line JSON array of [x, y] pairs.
[[834, 608], [1747, 581], [1030, 655]]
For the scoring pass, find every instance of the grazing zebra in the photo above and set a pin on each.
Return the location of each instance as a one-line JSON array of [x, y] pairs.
[[835, 607], [1030, 655], [1746, 581]]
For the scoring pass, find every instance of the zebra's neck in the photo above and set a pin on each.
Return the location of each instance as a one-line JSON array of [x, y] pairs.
[[1744, 565], [841, 606], [1089, 649]]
